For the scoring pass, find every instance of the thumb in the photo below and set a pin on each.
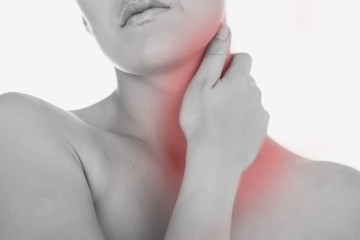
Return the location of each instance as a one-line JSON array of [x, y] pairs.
[[216, 55]]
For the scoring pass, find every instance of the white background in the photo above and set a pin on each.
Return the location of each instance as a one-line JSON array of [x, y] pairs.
[[305, 60]]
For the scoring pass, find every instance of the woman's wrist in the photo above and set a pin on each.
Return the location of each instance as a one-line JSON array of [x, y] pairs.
[[214, 160], [216, 187], [205, 172], [205, 202]]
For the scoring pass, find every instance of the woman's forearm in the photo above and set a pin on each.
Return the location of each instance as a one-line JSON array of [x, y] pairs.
[[203, 210]]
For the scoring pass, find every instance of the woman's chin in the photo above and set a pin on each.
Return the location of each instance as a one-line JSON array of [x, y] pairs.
[[150, 62]]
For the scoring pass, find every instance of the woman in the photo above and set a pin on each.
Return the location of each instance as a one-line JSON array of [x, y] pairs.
[[178, 151]]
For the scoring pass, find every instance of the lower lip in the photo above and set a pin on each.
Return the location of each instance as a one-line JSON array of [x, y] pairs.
[[145, 16]]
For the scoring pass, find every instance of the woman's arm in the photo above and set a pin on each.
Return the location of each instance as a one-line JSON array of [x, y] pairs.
[[43, 190], [204, 206], [225, 126]]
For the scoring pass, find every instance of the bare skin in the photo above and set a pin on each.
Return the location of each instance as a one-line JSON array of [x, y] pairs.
[[62, 168], [281, 196], [123, 169]]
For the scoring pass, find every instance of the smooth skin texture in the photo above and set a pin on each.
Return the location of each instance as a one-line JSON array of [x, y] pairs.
[[123, 169]]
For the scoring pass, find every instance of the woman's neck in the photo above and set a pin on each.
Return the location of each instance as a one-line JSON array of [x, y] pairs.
[[147, 107]]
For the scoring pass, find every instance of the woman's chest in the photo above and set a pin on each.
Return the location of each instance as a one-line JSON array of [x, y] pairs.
[[141, 210], [136, 196], [136, 199], [138, 207], [132, 214]]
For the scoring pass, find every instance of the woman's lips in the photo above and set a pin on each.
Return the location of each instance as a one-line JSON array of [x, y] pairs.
[[146, 16], [133, 7]]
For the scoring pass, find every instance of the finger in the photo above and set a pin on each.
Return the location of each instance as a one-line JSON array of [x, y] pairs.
[[215, 57], [253, 82], [241, 63]]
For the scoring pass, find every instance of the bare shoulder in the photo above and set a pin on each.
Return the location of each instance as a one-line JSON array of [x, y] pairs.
[[14, 104], [305, 200], [43, 185], [31, 119], [333, 193], [330, 177], [24, 111], [13, 101], [27, 109]]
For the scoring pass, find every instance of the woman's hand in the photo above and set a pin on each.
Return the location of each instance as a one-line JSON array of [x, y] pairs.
[[224, 114]]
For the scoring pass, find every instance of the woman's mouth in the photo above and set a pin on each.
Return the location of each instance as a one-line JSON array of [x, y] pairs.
[[145, 16], [140, 11]]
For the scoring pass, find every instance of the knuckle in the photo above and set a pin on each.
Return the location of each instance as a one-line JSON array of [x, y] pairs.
[[216, 51], [266, 118], [257, 93], [252, 81], [267, 115], [216, 48]]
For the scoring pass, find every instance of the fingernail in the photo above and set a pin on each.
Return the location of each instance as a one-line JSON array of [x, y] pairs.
[[223, 32]]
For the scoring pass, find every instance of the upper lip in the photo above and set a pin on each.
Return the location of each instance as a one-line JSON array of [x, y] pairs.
[[138, 6]]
